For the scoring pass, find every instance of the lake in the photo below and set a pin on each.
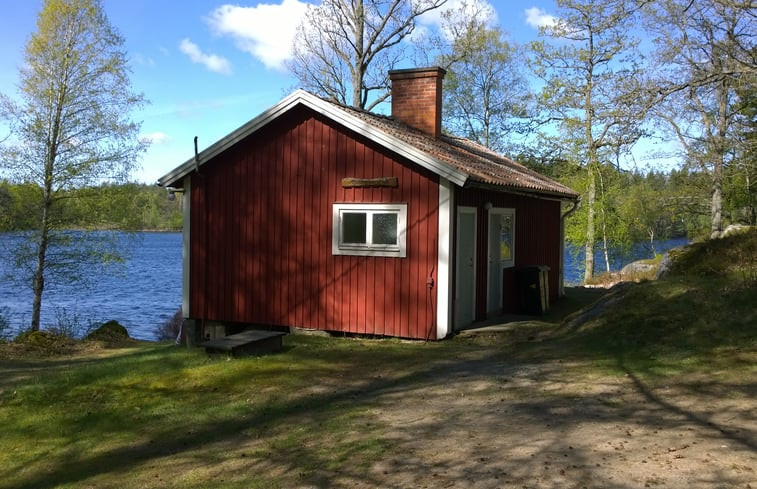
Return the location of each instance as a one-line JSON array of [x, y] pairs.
[[148, 291], [574, 258], [142, 296]]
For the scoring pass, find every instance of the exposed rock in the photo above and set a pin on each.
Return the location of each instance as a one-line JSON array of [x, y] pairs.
[[579, 318], [734, 229], [638, 269], [666, 263], [109, 331]]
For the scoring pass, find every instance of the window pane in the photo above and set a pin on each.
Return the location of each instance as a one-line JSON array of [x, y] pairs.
[[353, 227], [385, 229], [506, 237]]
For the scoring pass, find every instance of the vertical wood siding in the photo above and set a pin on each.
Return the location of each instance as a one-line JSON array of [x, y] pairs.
[[537, 241], [261, 231]]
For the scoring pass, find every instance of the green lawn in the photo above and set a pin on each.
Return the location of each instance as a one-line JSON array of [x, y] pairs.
[[158, 415]]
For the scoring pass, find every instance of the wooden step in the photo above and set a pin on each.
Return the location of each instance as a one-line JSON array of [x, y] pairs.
[[250, 342]]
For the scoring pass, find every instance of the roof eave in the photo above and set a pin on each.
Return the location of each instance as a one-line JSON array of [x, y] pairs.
[[528, 192]]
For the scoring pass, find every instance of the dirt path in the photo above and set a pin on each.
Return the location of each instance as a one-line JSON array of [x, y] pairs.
[[486, 423]]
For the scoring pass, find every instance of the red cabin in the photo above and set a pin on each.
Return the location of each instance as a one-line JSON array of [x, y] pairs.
[[320, 216]]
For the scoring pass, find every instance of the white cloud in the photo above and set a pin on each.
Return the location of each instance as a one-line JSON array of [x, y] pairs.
[[156, 137], [266, 31], [435, 18], [212, 62], [142, 60], [537, 18]]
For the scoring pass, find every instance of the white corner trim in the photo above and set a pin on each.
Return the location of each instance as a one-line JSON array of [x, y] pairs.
[[185, 235], [444, 254]]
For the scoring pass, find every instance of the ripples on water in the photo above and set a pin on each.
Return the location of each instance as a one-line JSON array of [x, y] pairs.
[[148, 291], [141, 296]]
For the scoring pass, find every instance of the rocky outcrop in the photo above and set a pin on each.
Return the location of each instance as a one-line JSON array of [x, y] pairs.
[[734, 229], [666, 263], [638, 270], [110, 331]]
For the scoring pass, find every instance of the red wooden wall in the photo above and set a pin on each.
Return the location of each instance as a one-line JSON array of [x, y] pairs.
[[537, 241], [261, 232]]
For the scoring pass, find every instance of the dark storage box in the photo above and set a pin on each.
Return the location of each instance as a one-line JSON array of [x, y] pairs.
[[533, 289]]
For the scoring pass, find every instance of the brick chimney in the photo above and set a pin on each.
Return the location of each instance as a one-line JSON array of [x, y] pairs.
[[417, 98]]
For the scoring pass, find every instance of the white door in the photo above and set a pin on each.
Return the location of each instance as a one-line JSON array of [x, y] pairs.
[[500, 254], [465, 270]]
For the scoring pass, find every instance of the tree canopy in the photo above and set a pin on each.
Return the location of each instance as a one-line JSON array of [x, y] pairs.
[[70, 129], [344, 49]]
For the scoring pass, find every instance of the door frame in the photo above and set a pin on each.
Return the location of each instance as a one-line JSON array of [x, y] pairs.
[[458, 263], [495, 304]]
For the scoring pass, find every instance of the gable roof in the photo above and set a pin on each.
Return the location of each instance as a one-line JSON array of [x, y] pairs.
[[459, 160]]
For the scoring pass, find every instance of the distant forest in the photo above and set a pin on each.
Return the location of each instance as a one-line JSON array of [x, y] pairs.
[[634, 206], [131, 206]]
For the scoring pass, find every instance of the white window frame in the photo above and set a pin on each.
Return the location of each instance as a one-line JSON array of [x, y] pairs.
[[399, 250]]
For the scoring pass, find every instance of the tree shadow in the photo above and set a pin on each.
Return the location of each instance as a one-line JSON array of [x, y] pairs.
[[472, 417]]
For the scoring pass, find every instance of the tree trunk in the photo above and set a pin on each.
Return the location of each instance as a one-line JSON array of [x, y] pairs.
[[359, 70], [39, 281], [650, 232], [38, 286], [716, 221], [591, 196]]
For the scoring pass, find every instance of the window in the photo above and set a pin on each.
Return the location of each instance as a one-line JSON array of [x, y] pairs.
[[370, 229], [502, 236]]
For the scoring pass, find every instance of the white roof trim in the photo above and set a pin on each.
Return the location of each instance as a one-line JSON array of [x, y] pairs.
[[334, 113]]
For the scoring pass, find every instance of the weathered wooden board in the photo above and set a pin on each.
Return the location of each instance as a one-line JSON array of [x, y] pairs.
[[250, 342], [390, 182]]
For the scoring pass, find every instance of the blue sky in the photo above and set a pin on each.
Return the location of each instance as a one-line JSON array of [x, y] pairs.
[[206, 66]]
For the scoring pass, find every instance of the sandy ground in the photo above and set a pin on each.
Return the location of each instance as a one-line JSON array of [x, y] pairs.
[[482, 422]]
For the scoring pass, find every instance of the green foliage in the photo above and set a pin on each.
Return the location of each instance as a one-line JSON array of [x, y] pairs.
[[70, 131], [591, 99], [485, 94], [740, 176], [125, 207], [705, 51]]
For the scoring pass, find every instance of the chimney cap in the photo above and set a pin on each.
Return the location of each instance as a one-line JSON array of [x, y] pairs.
[[409, 72]]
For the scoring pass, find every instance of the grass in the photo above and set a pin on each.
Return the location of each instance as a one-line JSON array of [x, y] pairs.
[[127, 417], [700, 319], [156, 415]]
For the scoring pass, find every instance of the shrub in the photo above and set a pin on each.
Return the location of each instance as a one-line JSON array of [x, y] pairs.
[[109, 331], [46, 342], [170, 328], [5, 326], [71, 324]]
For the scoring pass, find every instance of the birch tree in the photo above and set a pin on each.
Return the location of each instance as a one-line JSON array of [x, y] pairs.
[[344, 49], [591, 96], [705, 53], [70, 128]]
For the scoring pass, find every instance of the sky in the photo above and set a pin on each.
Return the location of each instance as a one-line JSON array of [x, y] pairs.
[[207, 67]]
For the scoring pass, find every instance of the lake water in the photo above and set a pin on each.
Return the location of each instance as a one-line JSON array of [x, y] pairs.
[[574, 259], [142, 296], [148, 291]]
